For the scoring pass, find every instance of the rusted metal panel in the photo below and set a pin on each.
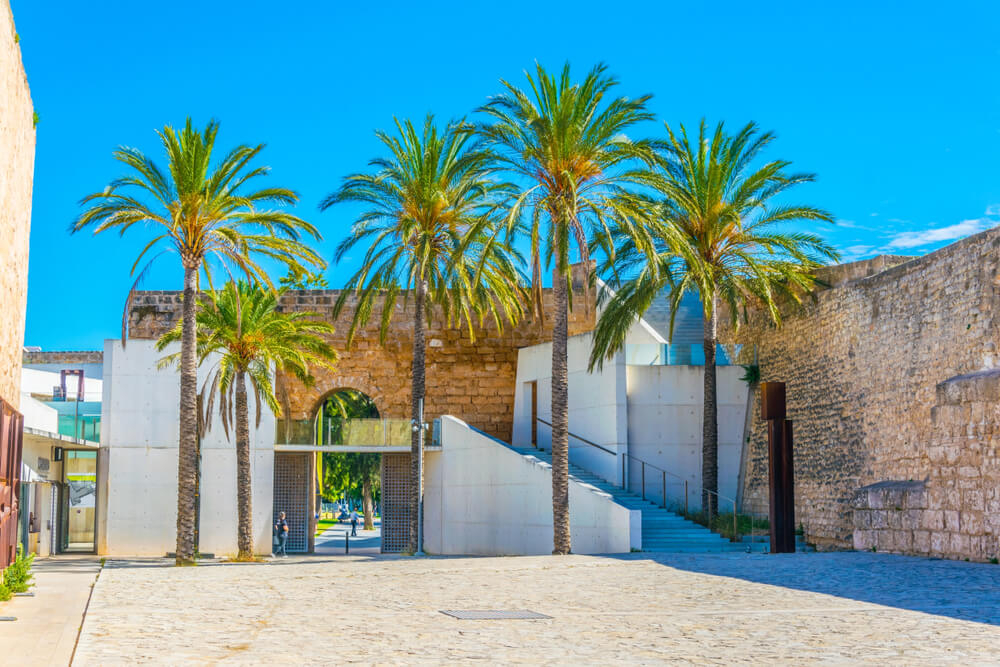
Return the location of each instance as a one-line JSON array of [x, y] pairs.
[[780, 467], [11, 434]]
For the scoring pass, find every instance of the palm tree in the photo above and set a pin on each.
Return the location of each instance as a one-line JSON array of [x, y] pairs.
[[429, 209], [246, 335], [202, 212], [710, 221], [565, 143]]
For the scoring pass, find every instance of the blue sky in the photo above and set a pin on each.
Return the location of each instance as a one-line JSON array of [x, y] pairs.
[[895, 106]]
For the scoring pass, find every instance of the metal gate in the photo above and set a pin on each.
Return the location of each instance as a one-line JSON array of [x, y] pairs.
[[291, 496], [11, 433], [395, 502]]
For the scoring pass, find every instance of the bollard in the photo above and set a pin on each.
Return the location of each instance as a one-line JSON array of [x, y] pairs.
[[347, 544]]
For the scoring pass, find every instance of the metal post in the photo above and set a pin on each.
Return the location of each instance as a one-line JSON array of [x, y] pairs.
[[347, 543], [734, 521], [664, 487], [686, 497], [643, 473], [624, 484]]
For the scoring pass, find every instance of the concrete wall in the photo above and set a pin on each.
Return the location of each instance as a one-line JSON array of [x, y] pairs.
[[862, 364], [35, 381], [138, 498], [17, 164], [481, 497], [665, 412], [91, 361], [597, 405]]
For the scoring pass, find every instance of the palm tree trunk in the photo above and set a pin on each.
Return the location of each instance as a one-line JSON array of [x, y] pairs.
[[244, 489], [366, 498], [187, 450], [416, 479], [560, 420], [710, 427]]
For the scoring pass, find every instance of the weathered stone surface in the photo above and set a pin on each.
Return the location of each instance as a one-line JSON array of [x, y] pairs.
[[17, 159], [893, 373], [471, 379]]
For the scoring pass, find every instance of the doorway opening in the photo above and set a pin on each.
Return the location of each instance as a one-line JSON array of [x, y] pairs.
[[78, 502], [332, 495]]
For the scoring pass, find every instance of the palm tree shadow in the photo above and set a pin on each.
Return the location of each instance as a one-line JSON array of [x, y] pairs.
[[954, 589]]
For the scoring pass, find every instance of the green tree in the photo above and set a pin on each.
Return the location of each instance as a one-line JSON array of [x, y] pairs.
[[566, 143], [428, 224], [241, 329], [355, 475], [201, 212], [710, 220]]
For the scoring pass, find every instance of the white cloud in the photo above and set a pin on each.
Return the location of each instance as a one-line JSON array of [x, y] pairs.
[[936, 235], [855, 252]]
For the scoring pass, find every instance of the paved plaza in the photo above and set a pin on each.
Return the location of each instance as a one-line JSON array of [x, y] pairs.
[[720, 609]]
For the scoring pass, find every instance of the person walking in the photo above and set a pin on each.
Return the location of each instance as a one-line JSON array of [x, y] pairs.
[[281, 531], [354, 523]]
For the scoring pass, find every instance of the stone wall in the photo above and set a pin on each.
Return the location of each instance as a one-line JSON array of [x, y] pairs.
[[63, 357], [863, 362], [472, 380], [17, 159]]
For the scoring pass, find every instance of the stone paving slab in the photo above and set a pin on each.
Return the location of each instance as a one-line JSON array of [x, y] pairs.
[[687, 609], [48, 623]]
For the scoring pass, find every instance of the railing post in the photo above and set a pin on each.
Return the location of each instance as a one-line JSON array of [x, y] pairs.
[[643, 473], [686, 497], [734, 521], [664, 488]]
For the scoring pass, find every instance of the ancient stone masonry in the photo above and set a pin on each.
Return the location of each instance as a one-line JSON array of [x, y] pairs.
[[470, 379], [64, 357], [17, 159], [882, 373]]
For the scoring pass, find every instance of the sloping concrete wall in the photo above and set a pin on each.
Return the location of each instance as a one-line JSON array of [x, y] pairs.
[[481, 497], [137, 503]]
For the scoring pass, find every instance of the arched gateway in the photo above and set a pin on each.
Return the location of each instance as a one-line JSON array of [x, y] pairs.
[[472, 379]]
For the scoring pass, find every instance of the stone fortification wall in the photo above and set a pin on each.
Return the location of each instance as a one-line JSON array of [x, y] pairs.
[[864, 365], [472, 380], [17, 163]]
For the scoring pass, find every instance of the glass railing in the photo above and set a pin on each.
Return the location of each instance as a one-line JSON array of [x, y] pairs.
[[77, 416], [679, 354], [351, 433]]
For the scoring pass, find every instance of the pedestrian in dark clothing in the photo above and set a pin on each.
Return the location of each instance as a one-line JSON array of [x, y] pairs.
[[281, 531], [354, 524]]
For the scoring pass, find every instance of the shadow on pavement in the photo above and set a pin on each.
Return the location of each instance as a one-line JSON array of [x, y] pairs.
[[965, 591]]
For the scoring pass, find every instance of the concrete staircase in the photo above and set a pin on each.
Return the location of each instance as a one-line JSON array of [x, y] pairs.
[[662, 530]]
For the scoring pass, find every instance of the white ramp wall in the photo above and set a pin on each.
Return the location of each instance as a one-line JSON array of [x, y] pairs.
[[139, 435], [483, 498], [665, 408], [597, 405]]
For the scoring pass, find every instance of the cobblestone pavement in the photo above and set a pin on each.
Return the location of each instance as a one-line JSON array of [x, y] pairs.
[[719, 609]]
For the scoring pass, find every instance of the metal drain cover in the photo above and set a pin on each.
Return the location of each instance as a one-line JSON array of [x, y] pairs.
[[491, 614]]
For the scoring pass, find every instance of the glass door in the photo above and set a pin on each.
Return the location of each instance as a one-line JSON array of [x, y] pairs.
[[80, 510]]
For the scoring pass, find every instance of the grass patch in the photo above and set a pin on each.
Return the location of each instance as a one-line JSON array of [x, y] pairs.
[[723, 524], [323, 524]]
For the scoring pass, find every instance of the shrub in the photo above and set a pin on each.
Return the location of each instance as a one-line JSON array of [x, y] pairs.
[[5, 593], [17, 578]]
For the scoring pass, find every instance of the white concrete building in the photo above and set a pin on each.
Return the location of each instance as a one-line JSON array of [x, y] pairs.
[[635, 453]]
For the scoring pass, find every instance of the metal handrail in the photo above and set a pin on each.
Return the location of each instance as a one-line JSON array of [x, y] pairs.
[[584, 440], [663, 488]]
